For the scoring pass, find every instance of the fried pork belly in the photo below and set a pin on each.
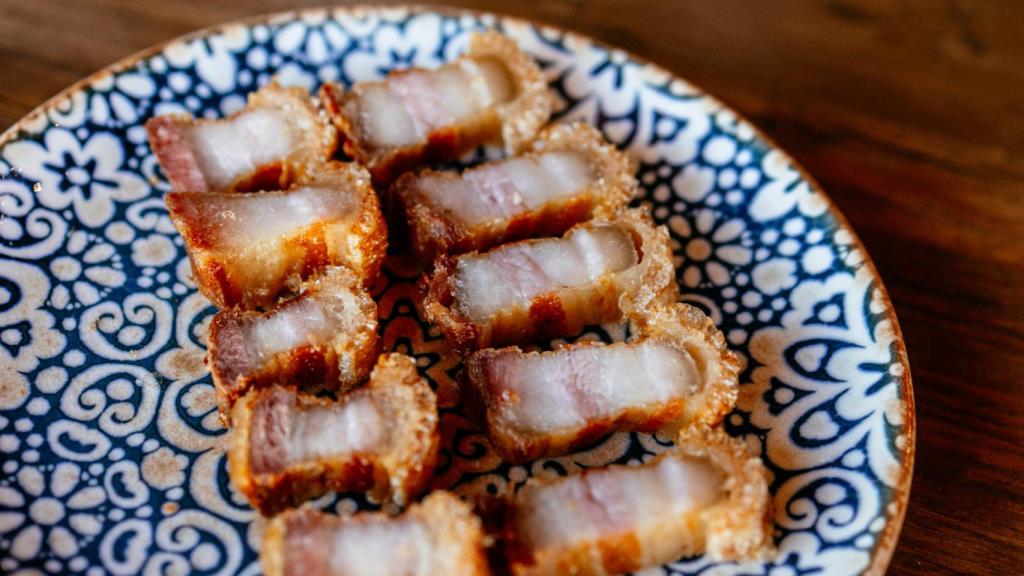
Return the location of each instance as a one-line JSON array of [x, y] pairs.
[[247, 249], [677, 372], [439, 536], [600, 271], [708, 495], [279, 136], [569, 173], [287, 447], [323, 339], [492, 93]]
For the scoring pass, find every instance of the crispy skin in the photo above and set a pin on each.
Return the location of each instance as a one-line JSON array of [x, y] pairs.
[[734, 526], [433, 230], [169, 137], [512, 123], [626, 294], [335, 359], [254, 275], [680, 327], [395, 465], [301, 542]]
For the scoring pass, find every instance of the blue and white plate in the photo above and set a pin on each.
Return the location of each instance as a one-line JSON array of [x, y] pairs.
[[111, 455]]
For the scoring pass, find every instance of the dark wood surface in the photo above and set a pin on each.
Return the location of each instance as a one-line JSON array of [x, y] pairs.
[[909, 113]]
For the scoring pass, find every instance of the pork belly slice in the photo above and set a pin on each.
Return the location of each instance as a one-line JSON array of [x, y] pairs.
[[247, 249], [276, 138], [707, 495], [287, 447], [599, 271], [569, 174], [494, 93], [439, 536], [323, 339], [677, 372]]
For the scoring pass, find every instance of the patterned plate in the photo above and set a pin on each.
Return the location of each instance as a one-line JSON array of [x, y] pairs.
[[112, 455]]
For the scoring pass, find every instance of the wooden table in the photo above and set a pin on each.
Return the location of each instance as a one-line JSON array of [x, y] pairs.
[[909, 113]]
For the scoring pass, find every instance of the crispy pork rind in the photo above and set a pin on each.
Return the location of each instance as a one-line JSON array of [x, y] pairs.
[[688, 328], [680, 326], [340, 223], [395, 468], [740, 528], [335, 355], [521, 118], [433, 230], [513, 123], [301, 542], [735, 525], [189, 169], [630, 293]]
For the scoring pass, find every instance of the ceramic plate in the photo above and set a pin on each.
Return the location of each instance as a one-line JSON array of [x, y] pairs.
[[112, 455]]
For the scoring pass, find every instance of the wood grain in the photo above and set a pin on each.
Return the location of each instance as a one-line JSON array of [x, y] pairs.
[[909, 113]]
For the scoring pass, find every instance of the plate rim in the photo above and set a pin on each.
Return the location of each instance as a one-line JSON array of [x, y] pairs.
[[881, 555]]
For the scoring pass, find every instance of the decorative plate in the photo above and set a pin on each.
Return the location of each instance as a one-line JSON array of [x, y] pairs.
[[112, 455]]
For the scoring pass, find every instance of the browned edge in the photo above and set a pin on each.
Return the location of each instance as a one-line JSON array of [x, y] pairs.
[[886, 544]]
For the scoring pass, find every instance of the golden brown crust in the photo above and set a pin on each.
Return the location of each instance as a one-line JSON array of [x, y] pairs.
[[438, 307], [652, 283], [680, 326], [688, 328], [735, 528], [334, 365], [168, 139], [256, 275], [458, 531], [414, 426], [740, 527], [517, 446], [433, 231], [299, 541], [394, 472], [525, 115], [631, 293], [274, 545], [513, 123]]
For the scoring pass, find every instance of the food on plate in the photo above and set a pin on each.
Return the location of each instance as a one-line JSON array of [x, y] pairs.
[[599, 271], [440, 535], [279, 136], [247, 249], [533, 246], [566, 176], [706, 495], [323, 339], [287, 447], [492, 93], [676, 372]]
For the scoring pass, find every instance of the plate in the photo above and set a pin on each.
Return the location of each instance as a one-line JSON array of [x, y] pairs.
[[112, 455]]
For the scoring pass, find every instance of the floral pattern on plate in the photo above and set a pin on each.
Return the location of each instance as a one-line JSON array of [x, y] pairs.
[[111, 455]]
